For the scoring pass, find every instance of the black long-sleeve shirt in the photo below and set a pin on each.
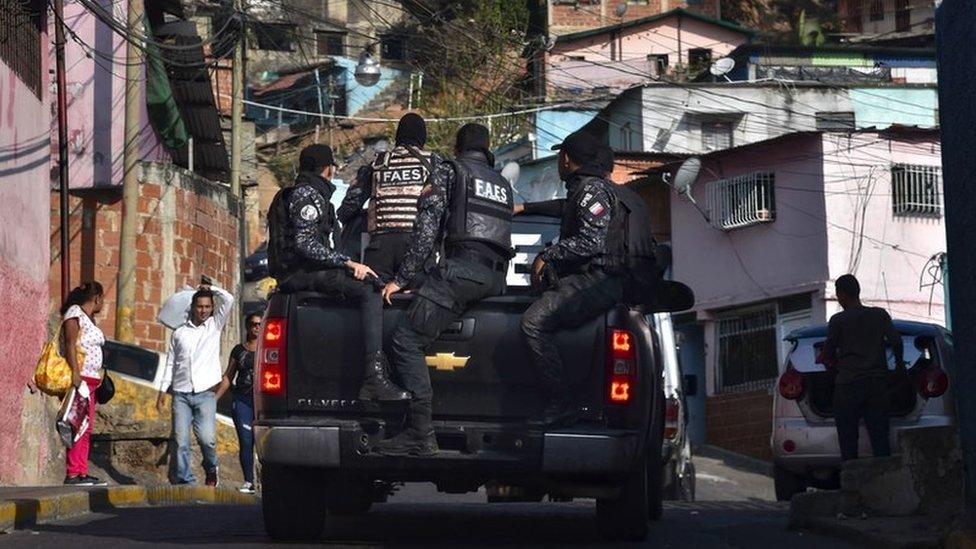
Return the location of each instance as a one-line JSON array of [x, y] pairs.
[[431, 208], [591, 204], [307, 208]]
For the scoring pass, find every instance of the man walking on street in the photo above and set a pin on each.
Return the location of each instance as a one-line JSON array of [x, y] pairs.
[[193, 373], [855, 346], [469, 205], [392, 184]]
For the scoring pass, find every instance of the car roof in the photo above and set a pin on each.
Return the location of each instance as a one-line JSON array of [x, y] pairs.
[[907, 327]]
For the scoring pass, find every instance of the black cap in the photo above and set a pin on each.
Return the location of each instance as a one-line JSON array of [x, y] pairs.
[[472, 137], [581, 146], [314, 158], [411, 130]]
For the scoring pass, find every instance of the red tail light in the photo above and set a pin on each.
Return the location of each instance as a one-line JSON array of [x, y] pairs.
[[622, 368], [272, 356], [671, 411], [933, 383], [791, 384]]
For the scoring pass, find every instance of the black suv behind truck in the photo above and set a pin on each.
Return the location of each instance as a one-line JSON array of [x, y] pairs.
[[314, 436]]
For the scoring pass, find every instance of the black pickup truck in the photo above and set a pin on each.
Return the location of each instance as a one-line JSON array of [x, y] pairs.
[[314, 436]]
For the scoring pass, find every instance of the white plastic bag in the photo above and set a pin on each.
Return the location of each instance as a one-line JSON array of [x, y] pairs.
[[72, 420], [176, 310]]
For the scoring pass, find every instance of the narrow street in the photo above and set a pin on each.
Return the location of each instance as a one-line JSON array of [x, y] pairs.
[[734, 510]]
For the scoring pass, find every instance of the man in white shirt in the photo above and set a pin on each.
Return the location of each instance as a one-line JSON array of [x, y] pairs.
[[193, 373]]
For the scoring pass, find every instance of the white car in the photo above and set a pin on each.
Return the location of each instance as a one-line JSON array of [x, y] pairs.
[[678, 476], [804, 440]]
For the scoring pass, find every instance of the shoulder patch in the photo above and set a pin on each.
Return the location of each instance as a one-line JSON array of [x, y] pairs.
[[596, 209], [309, 212]]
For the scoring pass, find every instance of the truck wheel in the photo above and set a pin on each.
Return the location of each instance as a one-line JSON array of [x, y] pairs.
[[687, 484], [655, 467], [625, 518], [348, 497], [787, 483], [293, 509]]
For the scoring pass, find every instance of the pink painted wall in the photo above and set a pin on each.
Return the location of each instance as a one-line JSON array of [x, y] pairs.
[[833, 216], [659, 37], [24, 256], [888, 254], [760, 262], [96, 102]]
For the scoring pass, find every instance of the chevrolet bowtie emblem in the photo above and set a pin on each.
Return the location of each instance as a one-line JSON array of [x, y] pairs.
[[447, 362]]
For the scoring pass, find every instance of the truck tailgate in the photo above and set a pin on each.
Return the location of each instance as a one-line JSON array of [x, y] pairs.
[[479, 367]]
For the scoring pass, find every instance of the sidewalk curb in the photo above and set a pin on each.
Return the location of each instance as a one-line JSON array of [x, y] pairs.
[[848, 531], [23, 512], [734, 459]]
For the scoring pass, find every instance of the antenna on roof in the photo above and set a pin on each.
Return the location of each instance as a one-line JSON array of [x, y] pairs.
[[722, 66]]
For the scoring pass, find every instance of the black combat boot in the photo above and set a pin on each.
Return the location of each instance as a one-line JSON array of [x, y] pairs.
[[417, 439], [377, 384], [561, 412]]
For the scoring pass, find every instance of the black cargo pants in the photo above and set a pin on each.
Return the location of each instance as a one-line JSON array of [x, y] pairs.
[[578, 299], [442, 298], [338, 283], [385, 253], [867, 398]]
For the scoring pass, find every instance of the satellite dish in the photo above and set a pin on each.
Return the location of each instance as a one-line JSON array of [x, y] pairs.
[[722, 66], [621, 10], [686, 176], [511, 172], [683, 180]]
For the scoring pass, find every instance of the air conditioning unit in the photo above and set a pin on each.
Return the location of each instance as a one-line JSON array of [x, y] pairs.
[[764, 215]]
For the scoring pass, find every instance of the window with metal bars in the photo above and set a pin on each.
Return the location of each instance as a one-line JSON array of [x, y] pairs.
[[747, 347], [20, 40], [743, 201], [916, 190], [716, 134]]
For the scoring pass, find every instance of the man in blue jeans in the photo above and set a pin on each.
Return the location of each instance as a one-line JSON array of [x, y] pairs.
[[193, 374]]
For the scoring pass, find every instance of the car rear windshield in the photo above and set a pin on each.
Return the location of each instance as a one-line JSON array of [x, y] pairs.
[[919, 350]]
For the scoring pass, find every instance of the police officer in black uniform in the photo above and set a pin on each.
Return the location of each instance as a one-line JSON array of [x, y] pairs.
[[392, 184], [315, 265], [581, 289], [477, 202]]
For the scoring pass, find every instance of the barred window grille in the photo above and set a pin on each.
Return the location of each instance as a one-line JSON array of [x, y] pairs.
[[743, 201], [747, 347], [916, 190], [20, 40]]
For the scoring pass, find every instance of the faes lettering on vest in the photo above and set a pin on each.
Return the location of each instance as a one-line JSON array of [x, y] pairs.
[[490, 191]]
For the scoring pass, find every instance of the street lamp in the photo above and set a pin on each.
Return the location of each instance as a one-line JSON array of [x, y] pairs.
[[367, 70]]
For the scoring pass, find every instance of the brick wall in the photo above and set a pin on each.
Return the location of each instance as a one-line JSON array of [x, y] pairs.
[[187, 227], [569, 18], [741, 422]]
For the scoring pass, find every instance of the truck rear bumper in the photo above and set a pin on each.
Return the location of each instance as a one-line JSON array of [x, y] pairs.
[[345, 446]]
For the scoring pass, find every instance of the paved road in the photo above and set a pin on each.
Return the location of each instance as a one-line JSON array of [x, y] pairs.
[[734, 511]]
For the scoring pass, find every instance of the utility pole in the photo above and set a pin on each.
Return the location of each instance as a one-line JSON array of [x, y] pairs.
[[236, 112], [126, 285], [955, 23], [62, 149]]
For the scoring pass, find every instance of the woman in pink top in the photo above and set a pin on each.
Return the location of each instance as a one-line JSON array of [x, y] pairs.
[[79, 331]]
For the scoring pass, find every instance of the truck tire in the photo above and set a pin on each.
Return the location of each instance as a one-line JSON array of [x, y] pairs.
[[787, 483], [349, 497], [625, 518], [655, 467], [294, 510]]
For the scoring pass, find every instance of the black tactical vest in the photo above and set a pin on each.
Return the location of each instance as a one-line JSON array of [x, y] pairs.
[[398, 177], [480, 203], [282, 256]]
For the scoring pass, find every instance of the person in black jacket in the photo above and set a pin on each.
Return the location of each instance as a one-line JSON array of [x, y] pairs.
[[473, 203], [315, 265], [392, 184], [579, 289]]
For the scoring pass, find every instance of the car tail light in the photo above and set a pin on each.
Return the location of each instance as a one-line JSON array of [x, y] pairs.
[[791, 384], [933, 383], [272, 356], [622, 368], [671, 411]]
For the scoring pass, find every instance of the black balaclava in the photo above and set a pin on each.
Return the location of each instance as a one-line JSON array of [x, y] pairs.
[[473, 137], [411, 130]]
